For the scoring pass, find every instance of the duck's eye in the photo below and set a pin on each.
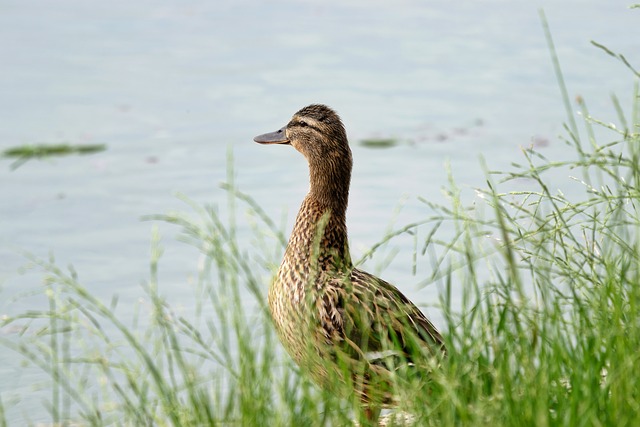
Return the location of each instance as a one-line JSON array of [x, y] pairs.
[[303, 124]]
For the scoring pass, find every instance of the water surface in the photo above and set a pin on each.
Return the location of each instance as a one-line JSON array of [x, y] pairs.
[[171, 86]]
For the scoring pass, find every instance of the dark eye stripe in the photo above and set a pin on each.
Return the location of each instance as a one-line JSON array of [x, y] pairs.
[[303, 124]]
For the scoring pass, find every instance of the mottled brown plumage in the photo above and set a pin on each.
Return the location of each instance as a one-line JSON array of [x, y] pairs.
[[336, 321]]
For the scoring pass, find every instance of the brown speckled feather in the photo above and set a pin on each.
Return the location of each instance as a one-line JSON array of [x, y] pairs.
[[337, 321]]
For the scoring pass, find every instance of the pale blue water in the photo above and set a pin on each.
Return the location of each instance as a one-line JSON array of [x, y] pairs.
[[170, 85]]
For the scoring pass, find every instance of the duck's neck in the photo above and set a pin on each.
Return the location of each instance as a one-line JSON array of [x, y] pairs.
[[329, 182], [321, 222]]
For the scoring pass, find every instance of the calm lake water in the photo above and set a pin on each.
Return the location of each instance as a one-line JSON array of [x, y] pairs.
[[170, 87]]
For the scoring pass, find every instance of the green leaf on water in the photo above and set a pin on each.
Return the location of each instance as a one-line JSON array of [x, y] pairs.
[[379, 142], [29, 151]]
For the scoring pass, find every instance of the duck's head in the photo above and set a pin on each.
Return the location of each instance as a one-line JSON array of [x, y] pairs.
[[316, 131]]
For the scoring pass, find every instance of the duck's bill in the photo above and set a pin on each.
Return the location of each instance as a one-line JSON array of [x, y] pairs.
[[277, 137]]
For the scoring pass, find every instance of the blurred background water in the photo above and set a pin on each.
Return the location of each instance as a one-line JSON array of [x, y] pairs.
[[170, 87]]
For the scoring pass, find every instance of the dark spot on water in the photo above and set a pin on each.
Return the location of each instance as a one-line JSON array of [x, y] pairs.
[[379, 142], [539, 141]]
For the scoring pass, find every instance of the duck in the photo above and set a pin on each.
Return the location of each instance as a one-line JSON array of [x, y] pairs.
[[340, 324]]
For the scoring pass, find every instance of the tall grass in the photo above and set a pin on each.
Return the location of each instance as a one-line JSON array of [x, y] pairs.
[[546, 332]]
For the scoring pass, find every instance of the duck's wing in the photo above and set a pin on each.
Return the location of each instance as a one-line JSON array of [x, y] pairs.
[[395, 317], [377, 321]]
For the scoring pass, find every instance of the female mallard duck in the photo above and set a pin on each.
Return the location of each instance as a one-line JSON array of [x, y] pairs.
[[336, 321]]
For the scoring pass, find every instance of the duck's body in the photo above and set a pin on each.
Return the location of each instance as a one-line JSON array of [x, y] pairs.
[[337, 321]]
